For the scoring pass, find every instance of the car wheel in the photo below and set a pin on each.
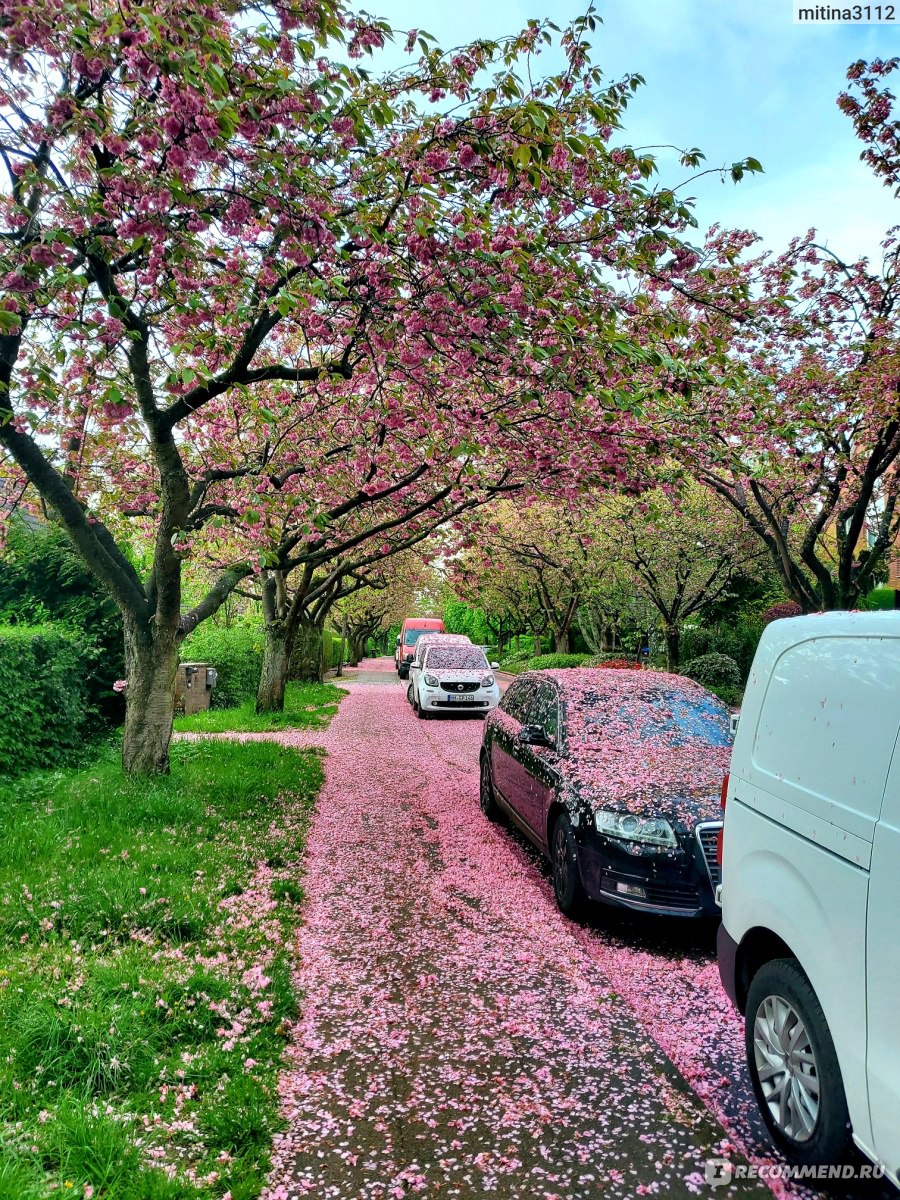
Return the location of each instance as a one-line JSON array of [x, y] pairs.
[[486, 797], [420, 711], [411, 696], [793, 1066], [564, 867]]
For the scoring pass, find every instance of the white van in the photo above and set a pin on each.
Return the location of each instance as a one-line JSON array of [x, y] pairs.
[[809, 947]]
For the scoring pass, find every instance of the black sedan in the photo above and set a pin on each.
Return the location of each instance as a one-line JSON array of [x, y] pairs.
[[616, 776]]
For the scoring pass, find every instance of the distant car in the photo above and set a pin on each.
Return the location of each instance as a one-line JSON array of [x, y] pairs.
[[422, 644], [616, 776], [411, 630], [452, 677]]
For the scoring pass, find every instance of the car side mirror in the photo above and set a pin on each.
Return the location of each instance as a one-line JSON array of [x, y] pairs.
[[495, 666], [397, 642], [535, 735]]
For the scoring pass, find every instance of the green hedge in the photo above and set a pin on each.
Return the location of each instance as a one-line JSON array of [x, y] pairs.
[[46, 715], [236, 652], [331, 649], [44, 582], [544, 662], [738, 639], [714, 670], [882, 598]]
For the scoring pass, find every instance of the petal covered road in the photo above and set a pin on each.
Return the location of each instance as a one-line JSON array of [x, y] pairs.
[[459, 1037]]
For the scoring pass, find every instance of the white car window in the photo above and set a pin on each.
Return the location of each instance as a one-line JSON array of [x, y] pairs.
[[455, 658]]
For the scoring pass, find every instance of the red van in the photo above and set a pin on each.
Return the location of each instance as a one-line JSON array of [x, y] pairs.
[[410, 632]]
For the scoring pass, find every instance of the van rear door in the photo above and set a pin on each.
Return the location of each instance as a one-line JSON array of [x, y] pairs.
[[883, 979]]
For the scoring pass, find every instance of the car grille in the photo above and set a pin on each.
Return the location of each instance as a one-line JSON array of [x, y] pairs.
[[456, 704], [461, 686], [679, 896], [708, 837]]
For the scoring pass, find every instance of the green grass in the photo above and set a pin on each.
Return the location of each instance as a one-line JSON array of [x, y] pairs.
[[306, 706], [130, 915]]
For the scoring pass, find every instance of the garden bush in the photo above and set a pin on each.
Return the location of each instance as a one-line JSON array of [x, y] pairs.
[[544, 662], [784, 608], [714, 671], [235, 651], [46, 715], [881, 599], [609, 658], [44, 582], [736, 638]]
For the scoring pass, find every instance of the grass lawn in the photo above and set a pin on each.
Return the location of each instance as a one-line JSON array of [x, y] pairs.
[[145, 949], [306, 706]]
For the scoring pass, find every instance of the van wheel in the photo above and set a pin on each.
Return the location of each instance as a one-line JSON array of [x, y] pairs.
[[486, 797], [564, 867], [793, 1066]]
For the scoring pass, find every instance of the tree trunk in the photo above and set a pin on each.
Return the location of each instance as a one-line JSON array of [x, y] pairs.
[[274, 673], [561, 642], [537, 648], [342, 647], [673, 647], [151, 662], [307, 653]]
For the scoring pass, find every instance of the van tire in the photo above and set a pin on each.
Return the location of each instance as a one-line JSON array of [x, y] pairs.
[[829, 1142]]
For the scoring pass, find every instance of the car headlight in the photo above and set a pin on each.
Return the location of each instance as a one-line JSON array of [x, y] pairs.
[[488, 681], [654, 830], [431, 681]]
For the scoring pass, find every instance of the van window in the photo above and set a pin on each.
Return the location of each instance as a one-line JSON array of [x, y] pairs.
[[411, 636], [829, 720]]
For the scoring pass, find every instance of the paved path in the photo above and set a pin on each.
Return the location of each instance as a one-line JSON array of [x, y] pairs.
[[459, 1037]]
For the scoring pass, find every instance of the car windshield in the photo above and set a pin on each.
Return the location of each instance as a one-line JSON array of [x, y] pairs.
[[663, 715], [412, 635], [455, 658]]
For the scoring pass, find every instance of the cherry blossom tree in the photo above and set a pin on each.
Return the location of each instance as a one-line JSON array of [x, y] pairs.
[[528, 565], [202, 203], [800, 432], [678, 548], [802, 441]]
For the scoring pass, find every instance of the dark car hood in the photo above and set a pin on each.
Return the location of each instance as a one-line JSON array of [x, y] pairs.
[[680, 783]]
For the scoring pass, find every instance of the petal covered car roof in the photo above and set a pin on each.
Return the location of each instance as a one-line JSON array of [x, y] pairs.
[[645, 741]]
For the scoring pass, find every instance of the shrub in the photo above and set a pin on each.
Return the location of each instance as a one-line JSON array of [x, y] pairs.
[[737, 638], [46, 714], [881, 598], [618, 664], [331, 649], [785, 608], [612, 658], [43, 581], [714, 671], [546, 662], [236, 652]]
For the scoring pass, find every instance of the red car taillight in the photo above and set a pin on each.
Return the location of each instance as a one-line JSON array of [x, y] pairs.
[[720, 838]]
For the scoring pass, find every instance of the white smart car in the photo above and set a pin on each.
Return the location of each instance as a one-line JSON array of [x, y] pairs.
[[453, 677]]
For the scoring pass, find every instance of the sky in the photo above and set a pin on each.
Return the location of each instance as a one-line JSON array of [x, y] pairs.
[[734, 78]]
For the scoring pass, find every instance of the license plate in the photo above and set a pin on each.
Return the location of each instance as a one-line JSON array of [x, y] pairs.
[[460, 699]]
